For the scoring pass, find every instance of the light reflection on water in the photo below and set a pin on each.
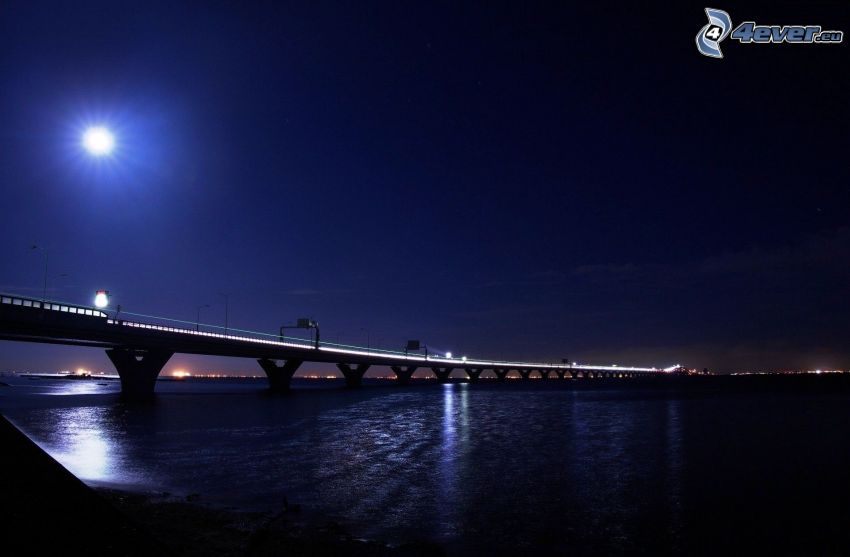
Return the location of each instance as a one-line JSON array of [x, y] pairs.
[[675, 466], [475, 467], [80, 443], [391, 462], [446, 503], [85, 387]]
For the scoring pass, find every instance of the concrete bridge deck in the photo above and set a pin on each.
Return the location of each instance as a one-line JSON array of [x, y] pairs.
[[139, 349]]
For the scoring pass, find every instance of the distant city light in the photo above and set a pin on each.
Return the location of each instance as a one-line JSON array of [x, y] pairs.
[[179, 373], [98, 141], [101, 299], [463, 358], [448, 354]]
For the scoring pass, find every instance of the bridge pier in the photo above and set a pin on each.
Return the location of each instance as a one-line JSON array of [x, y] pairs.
[[353, 376], [544, 373], [525, 374], [279, 376], [501, 373], [138, 370], [473, 374], [403, 374], [560, 373], [442, 373]]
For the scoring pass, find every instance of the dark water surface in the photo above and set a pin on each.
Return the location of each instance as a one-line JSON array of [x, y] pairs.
[[704, 467]]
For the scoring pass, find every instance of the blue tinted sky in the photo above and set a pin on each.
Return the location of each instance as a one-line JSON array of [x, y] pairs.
[[499, 180]]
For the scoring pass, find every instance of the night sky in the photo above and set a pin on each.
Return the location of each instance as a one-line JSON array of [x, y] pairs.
[[501, 181]]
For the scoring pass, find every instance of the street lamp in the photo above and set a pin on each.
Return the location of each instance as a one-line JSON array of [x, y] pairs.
[[198, 321], [226, 309], [101, 299]]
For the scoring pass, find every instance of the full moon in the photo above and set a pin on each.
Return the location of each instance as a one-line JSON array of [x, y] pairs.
[[98, 141]]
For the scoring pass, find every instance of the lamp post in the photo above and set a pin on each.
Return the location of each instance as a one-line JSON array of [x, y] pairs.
[[198, 321]]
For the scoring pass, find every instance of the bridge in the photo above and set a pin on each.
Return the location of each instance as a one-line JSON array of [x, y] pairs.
[[139, 347]]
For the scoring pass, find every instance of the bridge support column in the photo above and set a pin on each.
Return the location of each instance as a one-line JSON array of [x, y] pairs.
[[544, 373], [560, 373], [442, 373], [501, 373], [403, 374], [525, 374], [473, 374], [573, 373], [279, 375], [138, 370], [353, 376]]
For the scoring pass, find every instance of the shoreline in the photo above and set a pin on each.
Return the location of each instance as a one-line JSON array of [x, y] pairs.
[[45, 508]]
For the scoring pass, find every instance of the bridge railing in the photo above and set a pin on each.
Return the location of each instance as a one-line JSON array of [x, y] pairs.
[[49, 305], [166, 324], [141, 321], [178, 326]]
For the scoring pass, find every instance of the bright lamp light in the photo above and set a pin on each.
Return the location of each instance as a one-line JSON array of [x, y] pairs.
[[101, 299], [98, 141]]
